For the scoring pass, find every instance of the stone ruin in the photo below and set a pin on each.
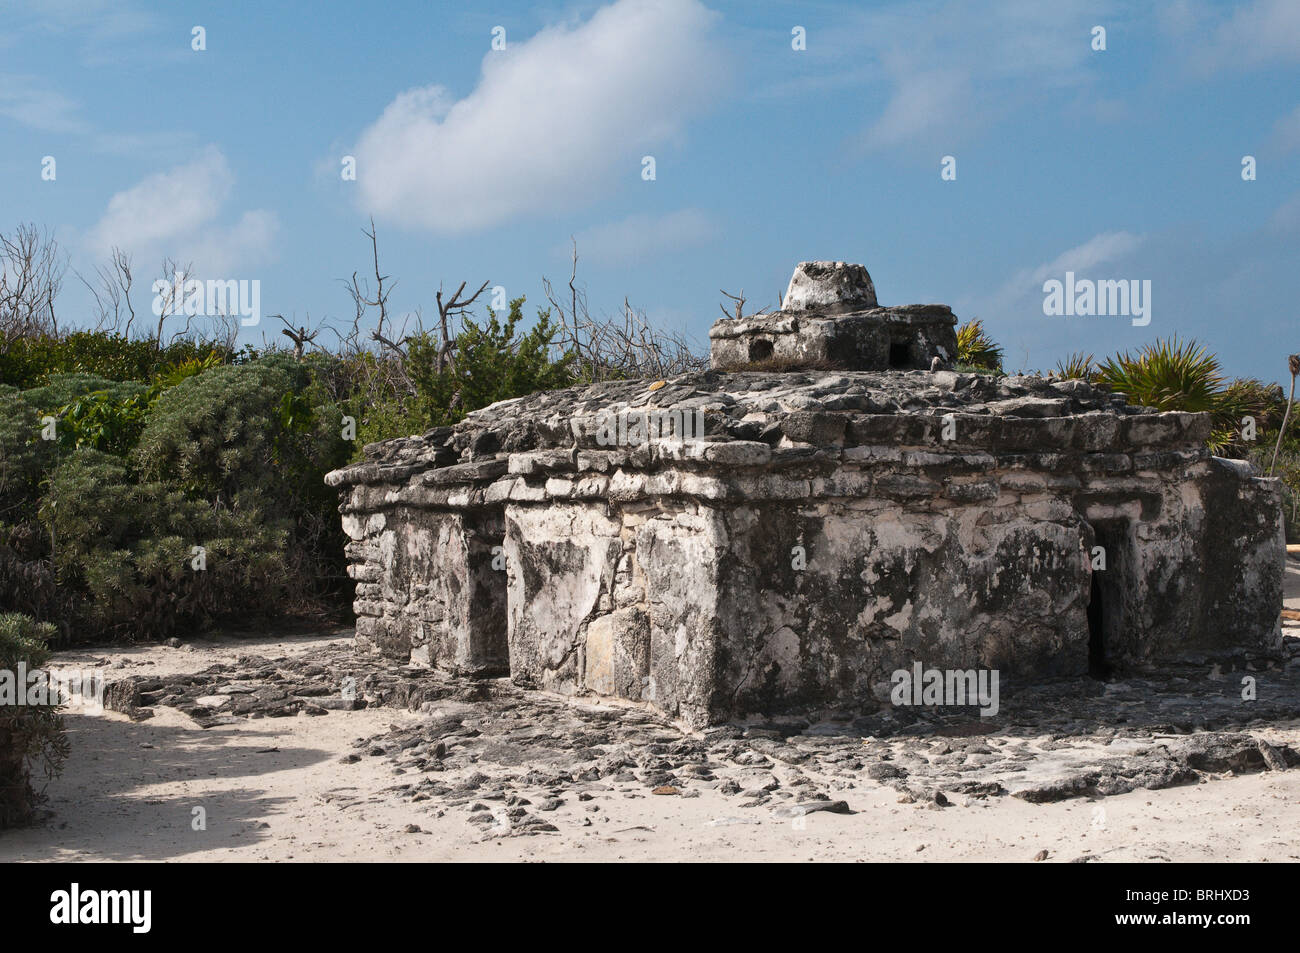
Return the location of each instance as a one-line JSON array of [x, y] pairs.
[[829, 318], [783, 531]]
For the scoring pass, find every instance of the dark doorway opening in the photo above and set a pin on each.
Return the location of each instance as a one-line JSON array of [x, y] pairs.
[[1107, 595], [1097, 664], [760, 350], [900, 354]]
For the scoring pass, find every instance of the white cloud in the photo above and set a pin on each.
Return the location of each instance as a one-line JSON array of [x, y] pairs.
[[1255, 34], [23, 99], [638, 237], [1098, 250], [175, 213], [1025, 288], [1258, 33], [555, 120], [951, 66]]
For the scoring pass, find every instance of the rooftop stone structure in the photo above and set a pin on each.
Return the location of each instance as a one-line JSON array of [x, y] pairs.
[[738, 541], [830, 319]]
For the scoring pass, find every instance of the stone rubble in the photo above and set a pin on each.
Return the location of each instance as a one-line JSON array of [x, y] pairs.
[[508, 758]]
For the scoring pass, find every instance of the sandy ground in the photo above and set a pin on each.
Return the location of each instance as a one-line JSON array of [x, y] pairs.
[[273, 789], [268, 790]]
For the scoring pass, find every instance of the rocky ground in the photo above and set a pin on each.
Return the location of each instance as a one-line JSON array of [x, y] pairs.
[[359, 760], [496, 750]]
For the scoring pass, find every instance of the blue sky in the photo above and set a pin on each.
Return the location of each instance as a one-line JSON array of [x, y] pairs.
[[480, 165]]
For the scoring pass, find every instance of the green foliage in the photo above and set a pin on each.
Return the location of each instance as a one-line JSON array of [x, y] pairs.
[[1078, 366], [130, 547], [218, 433], [491, 362], [1182, 375], [30, 735], [227, 457], [110, 420], [24, 456], [174, 373], [975, 348], [59, 390], [385, 419], [1166, 375], [26, 362]]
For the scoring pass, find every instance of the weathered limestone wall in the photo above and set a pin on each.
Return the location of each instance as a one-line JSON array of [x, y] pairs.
[[802, 549], [618, 600], [426, 589], [905, 336], [830, 318]]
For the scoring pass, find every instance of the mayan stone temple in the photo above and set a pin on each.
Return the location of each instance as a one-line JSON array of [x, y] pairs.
[[830, 502]]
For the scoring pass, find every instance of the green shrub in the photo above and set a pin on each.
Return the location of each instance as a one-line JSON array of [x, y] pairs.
[[129, 548], [29, 361], [218, 434], [24, 456], [255, 441], [492, 362], [1166, 375], [31, 736], [975, 348], [1182, 375]]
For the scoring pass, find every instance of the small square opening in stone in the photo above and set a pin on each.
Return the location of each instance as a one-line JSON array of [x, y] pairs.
[[900, 354], [760, 350]]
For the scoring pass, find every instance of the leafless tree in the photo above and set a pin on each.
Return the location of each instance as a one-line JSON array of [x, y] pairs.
[[739, 306], [389, 365], [362, 300], [454, 307], [300, 336], [31, 275], [171, 300], [1293, 365], [111, 290], [625, 346]]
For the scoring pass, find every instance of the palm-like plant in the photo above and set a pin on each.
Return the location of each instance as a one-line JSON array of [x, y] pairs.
[[1078, 366], [1182, 375], [1166, 375], [975, 348]]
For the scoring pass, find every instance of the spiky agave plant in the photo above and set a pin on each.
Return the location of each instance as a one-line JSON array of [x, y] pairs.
[[1078, 366], [975, 348], [1166, 375], [1182, 375]]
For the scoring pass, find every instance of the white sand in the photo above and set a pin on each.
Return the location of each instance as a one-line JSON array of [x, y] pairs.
[[273, 789]]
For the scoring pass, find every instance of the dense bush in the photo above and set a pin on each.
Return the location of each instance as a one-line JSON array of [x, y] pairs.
[[491, 361], [155, 455], [129, 547], [98, 527], [26, 362], [31, 736]]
